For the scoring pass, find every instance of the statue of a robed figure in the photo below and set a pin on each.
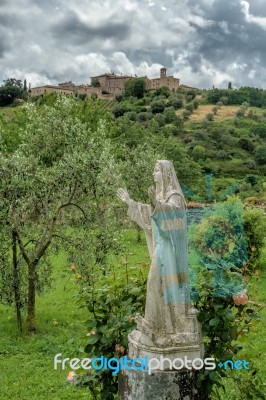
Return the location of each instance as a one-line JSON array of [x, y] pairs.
[[169, 327]]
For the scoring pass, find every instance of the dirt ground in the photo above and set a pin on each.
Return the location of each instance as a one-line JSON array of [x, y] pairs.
[[200, 113]]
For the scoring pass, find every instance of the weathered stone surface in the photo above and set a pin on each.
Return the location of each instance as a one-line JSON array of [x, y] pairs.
[[169, 328], [160, 385]]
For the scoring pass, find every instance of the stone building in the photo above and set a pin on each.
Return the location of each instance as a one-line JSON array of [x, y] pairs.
[[109, 83], [115, 84], [164, 80], [38, 91]]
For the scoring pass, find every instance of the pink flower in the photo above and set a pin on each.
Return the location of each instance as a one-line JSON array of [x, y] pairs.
[[70, 377], [119, 348], [241, 298]]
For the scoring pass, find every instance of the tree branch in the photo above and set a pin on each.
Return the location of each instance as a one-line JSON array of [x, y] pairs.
[[69, 204], [22, 248]]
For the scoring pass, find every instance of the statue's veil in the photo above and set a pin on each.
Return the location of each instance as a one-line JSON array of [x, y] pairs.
[[170, 182]]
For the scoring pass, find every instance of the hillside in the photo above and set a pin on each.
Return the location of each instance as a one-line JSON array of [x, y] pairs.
[[227, 142]]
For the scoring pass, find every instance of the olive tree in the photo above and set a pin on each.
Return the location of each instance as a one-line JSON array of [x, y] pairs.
[[61, 176]]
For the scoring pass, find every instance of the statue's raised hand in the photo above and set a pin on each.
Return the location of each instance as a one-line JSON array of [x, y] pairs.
[[123, 195]]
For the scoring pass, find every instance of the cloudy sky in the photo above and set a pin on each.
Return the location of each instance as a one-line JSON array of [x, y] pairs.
[[202, 42]]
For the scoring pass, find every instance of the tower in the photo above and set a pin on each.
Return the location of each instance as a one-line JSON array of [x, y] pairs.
[[162, 72]]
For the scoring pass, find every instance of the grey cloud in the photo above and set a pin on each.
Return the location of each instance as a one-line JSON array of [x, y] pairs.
[[150, 55], [50, 41], [3, 48], [223, 44], [77, 32]]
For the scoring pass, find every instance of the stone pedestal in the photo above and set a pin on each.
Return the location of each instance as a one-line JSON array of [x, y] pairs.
[[188, 342], [160, 385]]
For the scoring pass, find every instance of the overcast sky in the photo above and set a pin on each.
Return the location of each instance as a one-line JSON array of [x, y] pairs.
[[202, 42]]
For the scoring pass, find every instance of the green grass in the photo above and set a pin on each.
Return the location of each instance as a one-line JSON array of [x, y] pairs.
[[26, 363]]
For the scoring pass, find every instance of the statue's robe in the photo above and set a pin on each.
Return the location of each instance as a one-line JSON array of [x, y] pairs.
[[168, 286]]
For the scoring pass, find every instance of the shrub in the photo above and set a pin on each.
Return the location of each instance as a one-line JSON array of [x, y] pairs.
[[147, 101], [224, 100], [199, 153], [160, 119], [260, 155], [132, 115], [157, 106], [246, 144], [190, 107], [218, 246], [259, 130], [240, 112], [112, 305], [255, 228], [164, 90], [169, 116], [175, 102], [210, 116], [119, 98], [144, 116], [118, 111], [186, 114], [196, 103], [252, 179]]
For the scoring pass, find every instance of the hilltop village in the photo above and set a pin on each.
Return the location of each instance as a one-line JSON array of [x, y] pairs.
[[108, 85]]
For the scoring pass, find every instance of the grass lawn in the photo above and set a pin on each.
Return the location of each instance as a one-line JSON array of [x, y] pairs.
[[26, 363]]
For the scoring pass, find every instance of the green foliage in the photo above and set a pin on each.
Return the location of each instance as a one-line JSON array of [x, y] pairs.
[[170, 117], [157, 106], [223, 322], [255, 228], [119, 97], [144, 116], [220, 235], [135, 87], [259, 130], [95, 82], [175, 102], [255, 97], [210, 116], [217, 251], [118, 111], [252, 179], [260, 155], [112, 306], [199, 152], [163, 90], [190, 107], [60, 177], [246, 144], [186, 114], [196, 104], [11, 90]]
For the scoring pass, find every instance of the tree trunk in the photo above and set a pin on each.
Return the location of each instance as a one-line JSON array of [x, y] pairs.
[[31, 323], [16, 286], [138, 234]]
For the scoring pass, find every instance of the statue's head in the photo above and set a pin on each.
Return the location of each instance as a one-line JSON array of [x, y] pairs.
[[164, 175]]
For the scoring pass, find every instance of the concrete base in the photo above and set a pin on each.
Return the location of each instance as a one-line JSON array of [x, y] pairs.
[[160, 385]]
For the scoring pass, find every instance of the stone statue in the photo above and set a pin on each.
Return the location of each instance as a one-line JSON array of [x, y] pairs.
[[169, 327]]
